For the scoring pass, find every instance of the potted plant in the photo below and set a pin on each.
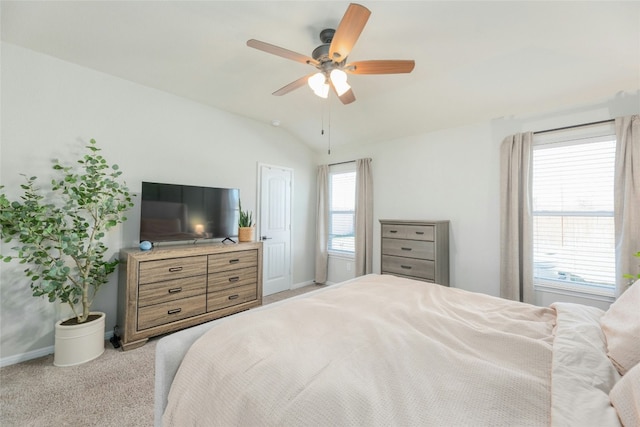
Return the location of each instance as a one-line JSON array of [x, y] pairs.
[[632, 277], [59, 235], [246, 230]]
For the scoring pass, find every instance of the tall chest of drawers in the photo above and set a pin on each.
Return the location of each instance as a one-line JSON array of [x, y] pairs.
[[415, 249], [174, 287]]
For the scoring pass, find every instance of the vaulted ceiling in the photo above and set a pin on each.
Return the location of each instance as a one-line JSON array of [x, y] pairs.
[[475, 60]]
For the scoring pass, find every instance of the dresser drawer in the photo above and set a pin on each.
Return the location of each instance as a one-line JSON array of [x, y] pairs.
[[170, 290], [232, 296], [232, 278], [404, 231], [408, 267], [232, 260], [168, 312], [408, 248], [175, 268], [422, 279]]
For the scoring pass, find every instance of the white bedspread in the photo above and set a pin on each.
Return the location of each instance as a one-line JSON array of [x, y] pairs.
[[375, 351], [582, 374]]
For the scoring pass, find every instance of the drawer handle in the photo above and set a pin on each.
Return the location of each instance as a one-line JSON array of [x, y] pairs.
[[234, 261], [393, 231], [175, 290], [234, 279], [175, 269], [420, 232], [174, 311], [406, 249], [233, 296], [406, 267]]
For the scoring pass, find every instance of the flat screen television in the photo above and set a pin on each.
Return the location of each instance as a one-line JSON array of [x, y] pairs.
[[172, 212]]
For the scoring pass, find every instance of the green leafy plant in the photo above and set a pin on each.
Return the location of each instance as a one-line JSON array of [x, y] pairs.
[[632, 277], [60, 236], [246, 218]]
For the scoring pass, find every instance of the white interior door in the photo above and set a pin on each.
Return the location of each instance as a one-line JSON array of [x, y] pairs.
[[275, 227]]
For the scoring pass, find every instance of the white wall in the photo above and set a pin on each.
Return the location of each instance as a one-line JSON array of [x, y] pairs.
[[51, 108], [445, 175], [453, 174], [340, 268]]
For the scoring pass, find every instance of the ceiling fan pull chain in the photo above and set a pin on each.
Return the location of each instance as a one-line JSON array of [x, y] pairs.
[[322, 118], [329, 126]]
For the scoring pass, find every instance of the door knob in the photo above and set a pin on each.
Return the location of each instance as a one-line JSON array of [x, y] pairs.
[[265, 238]]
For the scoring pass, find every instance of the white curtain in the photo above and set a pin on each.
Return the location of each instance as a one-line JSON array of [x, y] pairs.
[[627, 198], [322, 225], [516, 227], [364, 218]]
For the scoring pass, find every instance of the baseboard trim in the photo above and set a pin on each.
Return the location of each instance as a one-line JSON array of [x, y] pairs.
[[23, 357], [40, 352], [302, 284]]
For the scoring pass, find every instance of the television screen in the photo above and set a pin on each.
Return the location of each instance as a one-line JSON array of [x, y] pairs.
[[171, 212]]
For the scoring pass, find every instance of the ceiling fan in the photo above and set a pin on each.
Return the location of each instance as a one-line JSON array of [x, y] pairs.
[[330, 58]]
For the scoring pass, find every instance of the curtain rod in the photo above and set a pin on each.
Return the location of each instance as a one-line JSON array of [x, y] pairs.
[[342, 163], [574, 126]]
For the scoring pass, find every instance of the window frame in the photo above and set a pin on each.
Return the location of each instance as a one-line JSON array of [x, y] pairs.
[[572, 136], [342, 168]]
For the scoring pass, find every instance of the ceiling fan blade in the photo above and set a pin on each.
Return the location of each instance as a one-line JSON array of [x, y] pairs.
[[382, 66], [346, 98], [293, 85], [280, 51], [348, 31]]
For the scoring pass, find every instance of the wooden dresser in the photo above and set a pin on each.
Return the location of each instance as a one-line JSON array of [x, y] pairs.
[[416, 249], [173, 287]]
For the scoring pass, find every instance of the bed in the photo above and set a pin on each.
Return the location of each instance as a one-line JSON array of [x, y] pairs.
[[381, 350]]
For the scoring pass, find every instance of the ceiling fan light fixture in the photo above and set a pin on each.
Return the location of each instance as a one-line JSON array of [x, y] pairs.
[[318, 83], [339, 80], [324, 92]]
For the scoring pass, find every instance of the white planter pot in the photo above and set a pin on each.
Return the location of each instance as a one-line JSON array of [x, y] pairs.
[[76, 344]]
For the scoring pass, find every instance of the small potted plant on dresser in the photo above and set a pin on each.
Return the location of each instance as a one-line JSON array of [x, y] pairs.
[[246, 230], [60, 237]]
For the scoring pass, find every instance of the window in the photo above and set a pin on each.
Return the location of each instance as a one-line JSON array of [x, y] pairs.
[[342, 208], [573, 224]]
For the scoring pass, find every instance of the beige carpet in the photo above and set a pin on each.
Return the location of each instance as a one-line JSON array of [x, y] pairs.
[[116, 389]]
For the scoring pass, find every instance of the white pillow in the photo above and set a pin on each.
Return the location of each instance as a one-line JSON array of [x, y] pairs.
[[625, 397], [621, 327]]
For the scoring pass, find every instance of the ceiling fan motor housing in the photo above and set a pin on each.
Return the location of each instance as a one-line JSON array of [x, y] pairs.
[[321, 53], [326, 35]]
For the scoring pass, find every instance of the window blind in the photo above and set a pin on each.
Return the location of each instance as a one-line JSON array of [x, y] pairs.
[[573, 225], [342, 190]]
